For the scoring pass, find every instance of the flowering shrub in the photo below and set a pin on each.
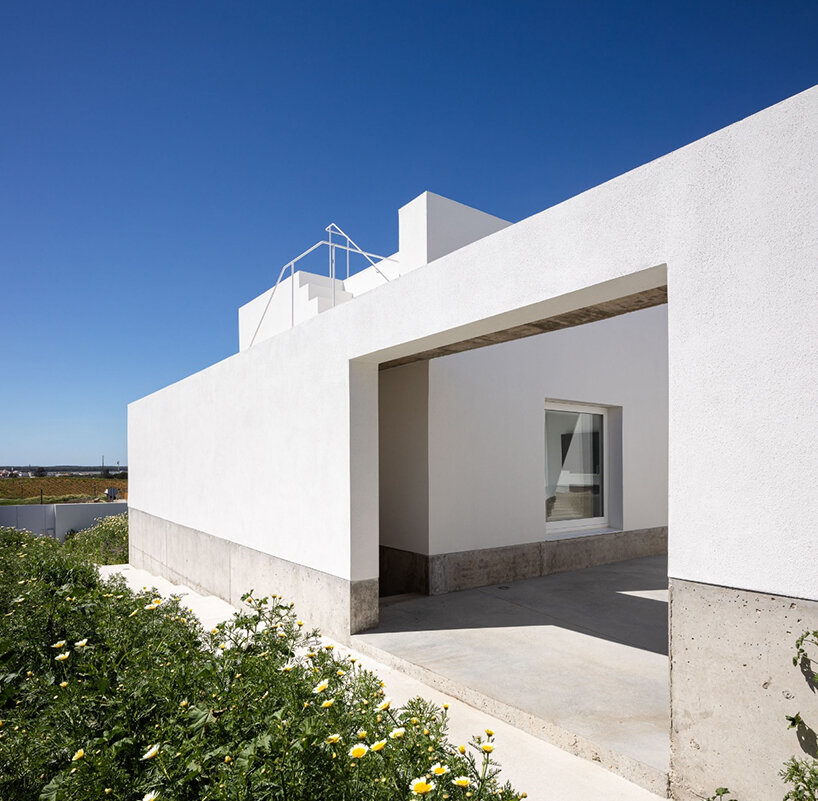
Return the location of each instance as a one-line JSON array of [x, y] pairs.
[[105, 693], [105, 543]]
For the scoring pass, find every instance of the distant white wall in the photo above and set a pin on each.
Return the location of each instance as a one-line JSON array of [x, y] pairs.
[[79, 516], [38, 518], [57, 519], [403, 418], [486, 427]]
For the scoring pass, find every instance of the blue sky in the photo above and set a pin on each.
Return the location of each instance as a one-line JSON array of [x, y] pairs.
[[160, 161]]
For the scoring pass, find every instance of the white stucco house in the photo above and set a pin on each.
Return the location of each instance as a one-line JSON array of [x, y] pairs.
[[630, 372]]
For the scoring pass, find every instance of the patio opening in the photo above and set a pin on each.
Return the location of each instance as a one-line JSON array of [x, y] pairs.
[[523, 534]]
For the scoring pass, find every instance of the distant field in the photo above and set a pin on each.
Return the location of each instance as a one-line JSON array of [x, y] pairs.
[[58, 487]]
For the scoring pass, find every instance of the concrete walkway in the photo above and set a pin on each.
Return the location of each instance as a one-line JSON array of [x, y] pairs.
[[544, 771], [578, 659]]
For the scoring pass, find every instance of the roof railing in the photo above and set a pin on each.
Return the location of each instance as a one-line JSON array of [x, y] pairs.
[[350, 247]]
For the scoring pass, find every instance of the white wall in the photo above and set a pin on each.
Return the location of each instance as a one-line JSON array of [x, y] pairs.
[[57, 519], [79, 516], [431, 226], [38, 518], [486, 427], [403, 417], [729, 222]]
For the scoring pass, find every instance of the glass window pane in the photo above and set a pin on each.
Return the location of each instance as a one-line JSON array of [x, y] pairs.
[[573, 457]]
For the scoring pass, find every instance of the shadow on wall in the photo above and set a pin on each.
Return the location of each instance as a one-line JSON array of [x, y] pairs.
[[624, 602]]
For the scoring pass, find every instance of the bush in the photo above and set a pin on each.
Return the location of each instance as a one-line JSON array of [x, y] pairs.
[[109, 693], [105, 543]]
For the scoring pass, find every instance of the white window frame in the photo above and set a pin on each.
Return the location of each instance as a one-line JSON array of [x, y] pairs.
[[588, 524]]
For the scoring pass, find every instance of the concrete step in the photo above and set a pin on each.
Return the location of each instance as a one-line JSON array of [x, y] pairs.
[[648, 777]]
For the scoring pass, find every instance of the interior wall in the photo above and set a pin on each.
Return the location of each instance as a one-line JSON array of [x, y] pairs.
[[486, 428], [403, 425]]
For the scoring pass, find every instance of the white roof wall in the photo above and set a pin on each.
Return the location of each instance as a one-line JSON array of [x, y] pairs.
[[430, 226], [276, 447]]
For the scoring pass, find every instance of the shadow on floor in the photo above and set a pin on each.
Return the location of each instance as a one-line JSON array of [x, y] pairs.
[[624, 602]]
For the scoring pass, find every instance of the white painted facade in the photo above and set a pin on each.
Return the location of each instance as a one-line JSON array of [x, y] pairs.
[[728, 223], [290, 463]]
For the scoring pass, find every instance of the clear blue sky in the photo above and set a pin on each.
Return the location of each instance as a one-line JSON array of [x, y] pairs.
[[160, 161]]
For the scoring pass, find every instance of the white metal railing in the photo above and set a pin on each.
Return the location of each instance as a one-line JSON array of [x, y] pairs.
[[350, 247]]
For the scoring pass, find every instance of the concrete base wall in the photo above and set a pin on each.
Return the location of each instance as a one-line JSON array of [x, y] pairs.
[[404, 571], [732, 684], [213, 565]]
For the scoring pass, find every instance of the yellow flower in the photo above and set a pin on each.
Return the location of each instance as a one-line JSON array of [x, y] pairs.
[[340, 673], [490, 732], [445, 706], [461, 781], [329, 647], [222, 645], [228, 759], [461, 749], [299, 622], [214, 631], [384, 704], [396, 734], [108, 790], [151, 606], [333, 738], [79, 755], [81, 643], [151, 752], [358, 750], [183, 704], [319, 688], [63, 656], [487, 747], [157, 601], [60, 644], [150, 796], [63, 684], [361, 734], [421, 786], [379, 746], [328, 703], [133, 613], [439, 770]]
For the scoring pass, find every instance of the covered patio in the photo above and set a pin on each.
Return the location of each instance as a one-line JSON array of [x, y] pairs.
[[576, 658]]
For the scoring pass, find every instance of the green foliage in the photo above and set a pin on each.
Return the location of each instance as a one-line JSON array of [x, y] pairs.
[[109, 693], [105, 543], [802, 774], [48, 499]]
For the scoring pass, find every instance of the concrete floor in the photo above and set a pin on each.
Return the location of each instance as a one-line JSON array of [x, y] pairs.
[[578, 659], [546, 773]]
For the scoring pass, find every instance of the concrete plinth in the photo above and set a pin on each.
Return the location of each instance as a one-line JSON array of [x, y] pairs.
[[405, 571], [226, 569], [732, 684]]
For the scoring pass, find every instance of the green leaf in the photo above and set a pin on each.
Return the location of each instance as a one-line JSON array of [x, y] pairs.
[[199, 717], [50, 791]]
